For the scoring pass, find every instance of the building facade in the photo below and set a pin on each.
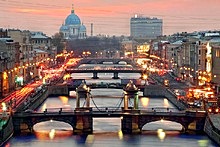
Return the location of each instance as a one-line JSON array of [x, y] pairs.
[[8, 69], [144, 27], [26, 59], [73, 28], [40, 40]]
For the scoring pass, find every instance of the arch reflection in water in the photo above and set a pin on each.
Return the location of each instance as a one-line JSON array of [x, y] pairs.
[[52, 130], [162, 124], [166, 102]]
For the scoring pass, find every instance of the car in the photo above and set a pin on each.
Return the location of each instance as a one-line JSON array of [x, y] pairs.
[[166, 83], [197, 104], [211, 105], [213, 110]]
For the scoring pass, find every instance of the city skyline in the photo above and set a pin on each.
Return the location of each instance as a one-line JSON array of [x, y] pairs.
[[110, 17]]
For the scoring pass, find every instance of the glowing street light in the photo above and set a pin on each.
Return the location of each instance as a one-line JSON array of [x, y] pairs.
[[4, 107]]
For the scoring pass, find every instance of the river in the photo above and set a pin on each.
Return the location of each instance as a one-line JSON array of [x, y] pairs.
[[107, 131]]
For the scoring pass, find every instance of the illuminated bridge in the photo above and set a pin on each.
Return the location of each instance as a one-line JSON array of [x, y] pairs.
[[81, 117], [132, 120]]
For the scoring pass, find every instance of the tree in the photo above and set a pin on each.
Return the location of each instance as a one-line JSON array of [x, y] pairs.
[[93, 45], [58, 41]]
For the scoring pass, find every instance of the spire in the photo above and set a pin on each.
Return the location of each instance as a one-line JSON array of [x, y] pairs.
[[72, 11]]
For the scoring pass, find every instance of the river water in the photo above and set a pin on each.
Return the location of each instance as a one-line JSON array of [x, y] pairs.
[[107, 131]]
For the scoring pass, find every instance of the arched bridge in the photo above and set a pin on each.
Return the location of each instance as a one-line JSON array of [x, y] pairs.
[[132, 121]]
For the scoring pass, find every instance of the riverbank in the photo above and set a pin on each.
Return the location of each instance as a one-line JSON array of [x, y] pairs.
[[6, 128], [212, 127]]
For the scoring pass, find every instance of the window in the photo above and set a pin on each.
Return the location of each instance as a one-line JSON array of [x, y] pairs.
[[217, 53], [199, 52], [199, 61]]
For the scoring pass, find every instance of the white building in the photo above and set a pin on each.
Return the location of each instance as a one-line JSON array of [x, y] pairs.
[[144, 27]]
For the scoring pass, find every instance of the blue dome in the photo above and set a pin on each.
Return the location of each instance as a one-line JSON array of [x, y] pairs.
[[82, 28], [72, 19], [64, 28]]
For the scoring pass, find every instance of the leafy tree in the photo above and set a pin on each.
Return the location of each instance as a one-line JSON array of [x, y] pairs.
[[58, 41], [93, 44]]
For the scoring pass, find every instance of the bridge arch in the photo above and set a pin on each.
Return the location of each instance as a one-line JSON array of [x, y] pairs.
[[52, 128], [80, 121], [26, 124], [63, 119], [165, 125], [185, 122]]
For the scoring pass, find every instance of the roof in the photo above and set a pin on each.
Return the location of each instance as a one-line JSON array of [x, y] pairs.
[[72, 19], [38, 35], [39, 51]]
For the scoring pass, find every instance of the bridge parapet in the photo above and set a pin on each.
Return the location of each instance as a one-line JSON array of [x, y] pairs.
[[161, 91], [133, 120]]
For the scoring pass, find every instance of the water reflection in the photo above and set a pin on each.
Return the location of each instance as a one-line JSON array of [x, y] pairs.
[[84, 139], [44, 107], [161, 134], [52, 129], [166, 103], [162, 124], [145, 102], [120, 135], [52, 133], [64, 100]]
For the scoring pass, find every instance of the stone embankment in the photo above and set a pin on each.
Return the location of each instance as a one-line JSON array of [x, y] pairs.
[[160, 91], [212, 127]]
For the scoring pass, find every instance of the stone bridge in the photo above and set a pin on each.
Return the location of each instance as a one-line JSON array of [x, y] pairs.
[[101, 60], [132, 121], [189, 120], [80, 122]]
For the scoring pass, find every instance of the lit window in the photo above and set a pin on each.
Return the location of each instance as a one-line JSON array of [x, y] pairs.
[[217, 53]]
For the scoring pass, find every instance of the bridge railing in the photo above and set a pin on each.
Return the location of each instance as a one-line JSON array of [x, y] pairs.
[[51, 110], [161, 109], [107, 109], [113, 110]]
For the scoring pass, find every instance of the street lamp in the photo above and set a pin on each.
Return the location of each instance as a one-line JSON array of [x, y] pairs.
[[4, 108]]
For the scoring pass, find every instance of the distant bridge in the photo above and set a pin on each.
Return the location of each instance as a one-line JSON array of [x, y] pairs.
[[81, 119], [95, 72], [102, 60]]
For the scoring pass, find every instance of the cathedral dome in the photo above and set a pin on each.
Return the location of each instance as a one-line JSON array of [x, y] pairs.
[[82, 28], [64, 28], [72, 19]]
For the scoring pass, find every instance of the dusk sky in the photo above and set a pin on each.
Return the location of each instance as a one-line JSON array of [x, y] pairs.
[[110, 17]]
